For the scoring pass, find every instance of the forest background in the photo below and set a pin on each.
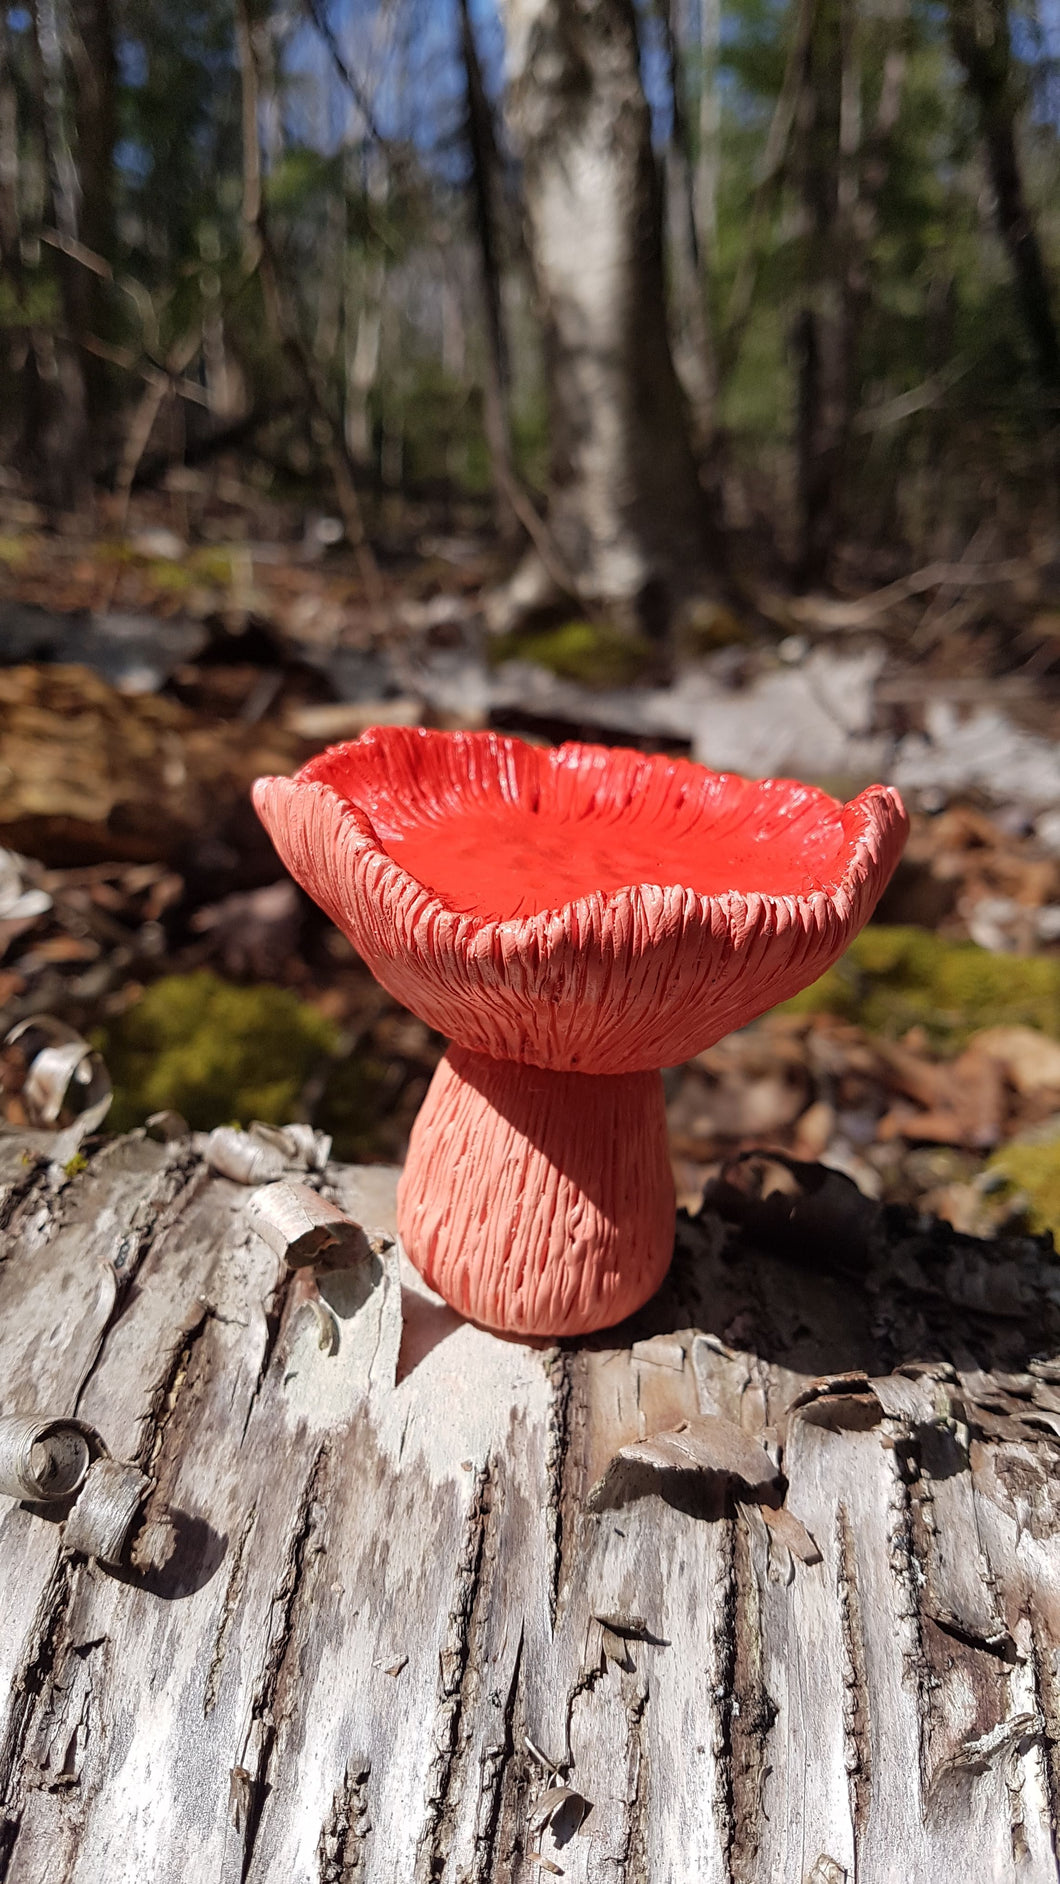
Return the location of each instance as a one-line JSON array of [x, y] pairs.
[[569, 367], [334, 239]]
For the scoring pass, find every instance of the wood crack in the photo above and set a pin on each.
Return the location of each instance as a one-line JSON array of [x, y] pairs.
[[31, 1681], [633, 1856], [20, 1194], [274, 1313], [455, 1666], [559, 1375], [495, 1762], [263, 1725], [164, 1395], [909, 1577], [233, 1591], [170, 1188], [343, 1836], [856, 1739], [724, 1695], [1047, 1691], [753, 1712]]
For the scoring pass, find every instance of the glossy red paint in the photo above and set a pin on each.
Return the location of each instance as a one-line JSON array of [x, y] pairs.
[[581, 911], [549, 826]]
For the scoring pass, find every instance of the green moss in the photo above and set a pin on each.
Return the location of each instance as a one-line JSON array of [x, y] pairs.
[[892, 979], [212, 564], [171, 576], [710, 625], [1032, 1166], [595, 653], [214, 1052], [350, 1110]]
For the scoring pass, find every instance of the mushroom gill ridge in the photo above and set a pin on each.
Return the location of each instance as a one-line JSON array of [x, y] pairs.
[[611, 981], [537, 1195], [499, 830]]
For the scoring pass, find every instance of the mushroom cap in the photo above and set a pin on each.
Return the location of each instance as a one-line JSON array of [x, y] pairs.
[[582, 908]]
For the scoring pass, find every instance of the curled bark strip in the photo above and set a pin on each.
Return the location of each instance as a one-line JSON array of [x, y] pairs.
[[558, 1801], [709, 1445], [167, 1126], [303, 1148], [264, 1152], [856, 1402], [65, 1081], [790, 1531], [100, 1524], [44, 1460], [304, 1229], [233, 1153]]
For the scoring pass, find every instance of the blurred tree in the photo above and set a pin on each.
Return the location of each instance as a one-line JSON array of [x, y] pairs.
[[762, 256], [982, 42], [487, 200], [626, 508]]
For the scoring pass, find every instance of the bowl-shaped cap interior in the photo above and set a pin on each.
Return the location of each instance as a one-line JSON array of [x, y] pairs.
[[497, 829]]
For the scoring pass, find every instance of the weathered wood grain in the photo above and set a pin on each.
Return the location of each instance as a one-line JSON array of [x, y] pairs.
[[370, 1622]]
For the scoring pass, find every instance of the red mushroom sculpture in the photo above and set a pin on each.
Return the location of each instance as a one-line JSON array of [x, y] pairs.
[[573, 920]]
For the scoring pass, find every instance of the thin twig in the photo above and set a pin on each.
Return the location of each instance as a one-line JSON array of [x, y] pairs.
[[319, 19], [824, 612]]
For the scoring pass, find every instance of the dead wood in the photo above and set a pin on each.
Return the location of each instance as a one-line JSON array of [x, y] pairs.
[[365, 1626]]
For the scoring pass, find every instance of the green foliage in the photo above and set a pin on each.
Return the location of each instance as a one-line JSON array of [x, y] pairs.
[[1030, 1166], [594, 653], [213, 1051], [892, 979]]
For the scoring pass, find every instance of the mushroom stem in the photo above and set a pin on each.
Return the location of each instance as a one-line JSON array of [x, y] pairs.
[[535, 1202]]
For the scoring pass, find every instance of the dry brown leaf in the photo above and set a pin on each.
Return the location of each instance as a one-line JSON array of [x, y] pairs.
[[1029, 1060]]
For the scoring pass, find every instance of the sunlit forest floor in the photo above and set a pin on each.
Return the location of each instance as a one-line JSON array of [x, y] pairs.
[[148, 678]]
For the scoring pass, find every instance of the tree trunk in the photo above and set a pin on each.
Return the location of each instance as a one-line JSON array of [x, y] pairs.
[[843, 170], [369, 1625], [485, 198], [59, 439], [691, 231], [364, 296], [626, 511], [818, 337], [93, 62], [981, 39], [10, 210]]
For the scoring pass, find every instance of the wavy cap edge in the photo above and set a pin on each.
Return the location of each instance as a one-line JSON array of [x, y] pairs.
[[559, 988]]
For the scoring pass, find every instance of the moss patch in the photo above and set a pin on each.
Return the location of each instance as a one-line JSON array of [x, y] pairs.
[[892, 979], [1031, 1166], [594, 653], [215, 1052]]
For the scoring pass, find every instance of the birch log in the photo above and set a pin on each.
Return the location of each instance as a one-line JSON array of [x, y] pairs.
[[370, 1629]]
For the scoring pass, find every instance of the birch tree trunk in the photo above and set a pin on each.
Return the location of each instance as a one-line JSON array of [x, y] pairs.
[[626, 510]]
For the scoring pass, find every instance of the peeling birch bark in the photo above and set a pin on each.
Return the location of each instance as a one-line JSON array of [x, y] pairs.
[[627, 516], [387, 1640]]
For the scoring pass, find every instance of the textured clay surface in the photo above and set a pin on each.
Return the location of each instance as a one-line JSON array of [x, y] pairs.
[[579, 909], [539, 1203], [563, 914]]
